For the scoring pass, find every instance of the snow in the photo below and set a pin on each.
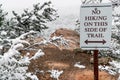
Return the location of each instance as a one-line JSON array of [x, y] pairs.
[[13, 66], [17, 40], [55, 73], [117, 51], [109, 69], [38, 54], [33, 77], [26, 34], [10, 53], [113, 69], [55, 40], [117, 9], [3, 33], [18, 46], [59, 39], [1, 46], [78, 65], [44, 42], [116, 64]]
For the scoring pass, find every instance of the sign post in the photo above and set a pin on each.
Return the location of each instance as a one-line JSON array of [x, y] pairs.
[[96, 65], [95, 29]]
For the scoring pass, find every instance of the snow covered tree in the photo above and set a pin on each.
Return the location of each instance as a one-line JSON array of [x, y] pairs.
[[13, 66], [6, 30], [35, 19], [3, 32], [115, 50], [2, 15], [2, 18]]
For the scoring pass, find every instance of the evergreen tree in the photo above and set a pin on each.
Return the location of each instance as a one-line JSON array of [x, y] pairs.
[[2, 15], [35, 19], [3, 32], [116, 29]]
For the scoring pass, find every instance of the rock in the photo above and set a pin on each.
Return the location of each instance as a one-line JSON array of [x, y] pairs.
[[34, 40], [70, 35], [29, 53], [65, 32]]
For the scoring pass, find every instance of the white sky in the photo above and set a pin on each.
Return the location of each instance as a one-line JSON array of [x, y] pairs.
[[19, 5], [64, 6]]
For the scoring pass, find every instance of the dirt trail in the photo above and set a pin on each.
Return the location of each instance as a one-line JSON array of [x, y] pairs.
[[65, 60]]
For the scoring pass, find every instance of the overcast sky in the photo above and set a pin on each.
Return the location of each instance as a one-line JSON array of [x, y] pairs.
[[63, 6], [19, 5]]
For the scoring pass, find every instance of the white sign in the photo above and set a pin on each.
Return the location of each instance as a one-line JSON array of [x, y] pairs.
[[95, 26]]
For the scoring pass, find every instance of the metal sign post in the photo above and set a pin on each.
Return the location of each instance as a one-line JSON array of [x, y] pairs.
[[96, 73]]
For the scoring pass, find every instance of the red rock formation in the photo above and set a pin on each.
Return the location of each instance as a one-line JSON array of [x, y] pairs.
[[70, 35]]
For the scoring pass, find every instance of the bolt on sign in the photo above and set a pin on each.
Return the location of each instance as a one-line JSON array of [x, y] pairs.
[[95, 26]]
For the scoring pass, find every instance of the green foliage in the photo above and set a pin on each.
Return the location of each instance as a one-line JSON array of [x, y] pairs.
[[2, 15], [35, 19]]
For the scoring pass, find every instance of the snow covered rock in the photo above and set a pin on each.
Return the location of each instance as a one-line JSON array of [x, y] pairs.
[[70, 35], [79, 65], [38, 54]]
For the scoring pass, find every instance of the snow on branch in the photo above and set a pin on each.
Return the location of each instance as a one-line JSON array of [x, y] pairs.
[[13, 66], [113, 69], [23, 36], [38, 54], [58, 41], [109, 69]]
